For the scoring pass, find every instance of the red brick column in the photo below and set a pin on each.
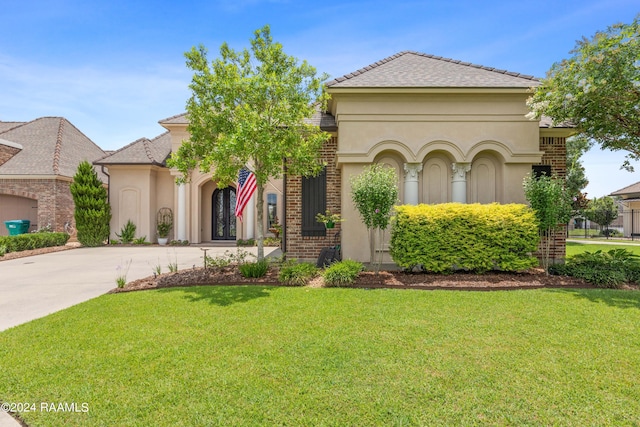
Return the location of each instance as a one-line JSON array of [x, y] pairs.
[[309, 247]]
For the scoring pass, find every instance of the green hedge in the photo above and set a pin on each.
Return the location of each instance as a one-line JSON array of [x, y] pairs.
[[452, 236], [23, 242]]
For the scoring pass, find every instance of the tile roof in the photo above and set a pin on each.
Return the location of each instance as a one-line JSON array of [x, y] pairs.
[[630, 189], [323, 119], [141, 152], [414, 69], [51, 146]]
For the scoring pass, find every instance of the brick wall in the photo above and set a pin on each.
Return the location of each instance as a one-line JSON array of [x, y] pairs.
[[309, 247], [6, 153], [55, 203], [555, 155]]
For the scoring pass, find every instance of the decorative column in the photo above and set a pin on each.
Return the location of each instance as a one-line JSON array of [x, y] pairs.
[[411, 194], [459, 182], [250, 210], [182, 212]]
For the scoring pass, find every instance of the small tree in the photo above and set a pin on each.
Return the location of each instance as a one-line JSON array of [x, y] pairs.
[[602, 211], [551, 203], [92, 212], [248, 110], [374, 192]]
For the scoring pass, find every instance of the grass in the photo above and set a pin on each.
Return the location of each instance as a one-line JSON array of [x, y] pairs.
[[300, 356], [574, 248]]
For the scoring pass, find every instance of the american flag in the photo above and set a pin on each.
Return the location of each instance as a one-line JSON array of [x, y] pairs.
[[246, 188]]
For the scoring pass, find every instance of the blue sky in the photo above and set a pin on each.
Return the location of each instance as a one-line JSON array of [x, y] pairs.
[[114, 68]]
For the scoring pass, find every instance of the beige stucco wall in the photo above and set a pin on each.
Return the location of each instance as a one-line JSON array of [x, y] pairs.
[[487, 130]]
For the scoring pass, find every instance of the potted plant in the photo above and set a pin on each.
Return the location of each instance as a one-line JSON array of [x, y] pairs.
[[164, 221], [329, 219]]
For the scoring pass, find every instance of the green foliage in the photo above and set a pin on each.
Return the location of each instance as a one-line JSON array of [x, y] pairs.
[[297, 274], [342, 273], [3, 250], [92, 212], [608, 269], [127, 233], [250, 109], [254, 269], [602, 211], [140, 240], [121, 277], [552, 205], [597, 89], [452, 236], [23, 242], [374, 192], [164, 222]]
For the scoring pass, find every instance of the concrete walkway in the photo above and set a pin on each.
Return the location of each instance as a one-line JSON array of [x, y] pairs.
[[602, 242]]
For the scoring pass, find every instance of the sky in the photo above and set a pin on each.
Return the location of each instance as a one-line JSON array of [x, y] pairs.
[[114, 68]]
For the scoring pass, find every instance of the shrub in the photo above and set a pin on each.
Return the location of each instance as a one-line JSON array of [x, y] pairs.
[[3, 250], [92, 212], [604, 269], [342, 273], [254, 269], [295, 274], [452, 236], [23, 242], [127, 233]]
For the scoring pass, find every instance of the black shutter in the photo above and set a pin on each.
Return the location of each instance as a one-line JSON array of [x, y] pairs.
[[314, 201], [539, 170]]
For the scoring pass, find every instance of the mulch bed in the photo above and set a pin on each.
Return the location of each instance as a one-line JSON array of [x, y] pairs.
[[532, 279]]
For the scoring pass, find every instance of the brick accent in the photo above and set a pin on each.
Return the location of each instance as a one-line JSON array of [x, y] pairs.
[[555, 155], [309, 247], [7, 152], [55, 203]]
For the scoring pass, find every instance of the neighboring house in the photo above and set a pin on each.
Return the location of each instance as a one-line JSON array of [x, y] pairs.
[[38, 160], [630, 200], [454, 132]]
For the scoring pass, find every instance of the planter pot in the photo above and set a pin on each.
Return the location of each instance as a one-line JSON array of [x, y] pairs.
[[163, 240], [330, 224]]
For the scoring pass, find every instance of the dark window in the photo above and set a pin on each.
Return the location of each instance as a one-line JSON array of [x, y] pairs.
[[314, 201], [539, 170], [272, 210]]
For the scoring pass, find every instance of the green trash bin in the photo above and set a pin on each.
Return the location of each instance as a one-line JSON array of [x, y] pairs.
[[17, 226]]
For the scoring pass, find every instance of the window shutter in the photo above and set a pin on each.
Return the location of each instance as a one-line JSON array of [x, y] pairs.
[[314, 201]]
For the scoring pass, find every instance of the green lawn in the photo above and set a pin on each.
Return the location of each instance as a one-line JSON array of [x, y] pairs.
[[574, 248], [300, 356]]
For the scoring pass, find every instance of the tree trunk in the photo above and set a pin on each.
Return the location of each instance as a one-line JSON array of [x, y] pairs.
[[259, 207]]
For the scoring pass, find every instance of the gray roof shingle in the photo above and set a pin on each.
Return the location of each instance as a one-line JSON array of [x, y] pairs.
[[141, 152], [51, 146], [628, 190], [414, 69]]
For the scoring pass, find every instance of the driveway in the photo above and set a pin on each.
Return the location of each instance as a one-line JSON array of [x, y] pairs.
[[35, 286]]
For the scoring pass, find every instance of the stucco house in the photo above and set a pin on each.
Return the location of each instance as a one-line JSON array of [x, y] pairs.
[[630, 201], [454, 132], [38, 160]]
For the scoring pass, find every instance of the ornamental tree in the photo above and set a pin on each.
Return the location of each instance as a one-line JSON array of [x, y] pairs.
[[374, 193], [551, 203], [602, 211], [249, 109], [92, 212], [598, 89]]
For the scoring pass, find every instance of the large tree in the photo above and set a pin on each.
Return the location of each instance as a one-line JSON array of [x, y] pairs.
[[598, 89], [248, 109], [92, 211]]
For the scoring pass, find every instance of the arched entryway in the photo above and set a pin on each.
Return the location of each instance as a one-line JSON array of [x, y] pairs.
[[223, 204]]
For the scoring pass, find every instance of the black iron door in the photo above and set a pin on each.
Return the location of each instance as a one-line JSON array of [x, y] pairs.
[[223, 205]]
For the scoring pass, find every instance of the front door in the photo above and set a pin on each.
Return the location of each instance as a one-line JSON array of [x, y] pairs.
[[223, 204]]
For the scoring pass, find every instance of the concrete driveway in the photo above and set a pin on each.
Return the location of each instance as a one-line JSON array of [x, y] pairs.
[[33, 287]]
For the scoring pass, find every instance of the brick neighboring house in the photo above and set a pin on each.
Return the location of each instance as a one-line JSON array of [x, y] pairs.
[[454, 132], [38, 160]]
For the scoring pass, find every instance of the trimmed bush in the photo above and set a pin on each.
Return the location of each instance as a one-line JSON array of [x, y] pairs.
[[23, 242], [297, 274], [254, 269], [342, 273], [92, 212], [604, 269], [472, 237]]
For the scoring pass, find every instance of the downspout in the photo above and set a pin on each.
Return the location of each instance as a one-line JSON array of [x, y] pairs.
[[284, 207], [108, 196]]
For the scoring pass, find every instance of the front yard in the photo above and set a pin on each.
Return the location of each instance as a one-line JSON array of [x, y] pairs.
[[256, 355]]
